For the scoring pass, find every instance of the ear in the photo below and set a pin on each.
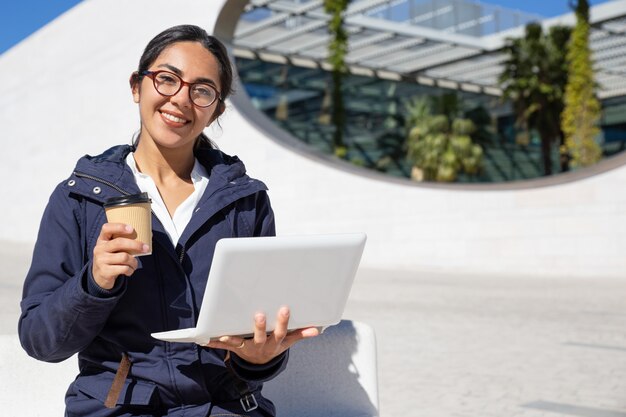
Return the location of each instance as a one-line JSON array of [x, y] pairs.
[[134, 86]]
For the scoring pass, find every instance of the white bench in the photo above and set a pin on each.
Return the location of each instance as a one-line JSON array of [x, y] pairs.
[[330, 375]]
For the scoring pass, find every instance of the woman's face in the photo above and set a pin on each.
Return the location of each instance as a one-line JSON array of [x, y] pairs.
[[175, 122]]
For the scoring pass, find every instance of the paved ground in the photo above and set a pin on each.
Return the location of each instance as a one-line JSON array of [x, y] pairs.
[[471, 346], [500, 347]]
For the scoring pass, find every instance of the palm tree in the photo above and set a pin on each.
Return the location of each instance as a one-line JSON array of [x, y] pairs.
[[534, 79], [337, 50], [582, 109], [439, 144]]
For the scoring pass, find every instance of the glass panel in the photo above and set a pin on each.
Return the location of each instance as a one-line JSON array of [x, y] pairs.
[[391, 72]]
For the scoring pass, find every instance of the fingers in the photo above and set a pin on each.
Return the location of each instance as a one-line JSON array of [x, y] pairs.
[[262, 348], [118, 237], [299, 334], [282, 324], [113, 254], [286, 338], [246, 348], [120, 263], [107, 267], [260, 332], [110, 230], [310, 332], [234, 344]]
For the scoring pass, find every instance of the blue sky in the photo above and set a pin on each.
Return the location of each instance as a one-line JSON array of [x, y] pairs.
[[20, 18]]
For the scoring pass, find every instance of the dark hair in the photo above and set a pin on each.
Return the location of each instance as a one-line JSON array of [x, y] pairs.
[[190, 33]]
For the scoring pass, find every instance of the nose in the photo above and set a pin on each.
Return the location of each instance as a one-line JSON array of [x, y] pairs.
[[182, 98]]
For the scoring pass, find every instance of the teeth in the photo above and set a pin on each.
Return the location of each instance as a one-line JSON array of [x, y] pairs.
[[173, 118]]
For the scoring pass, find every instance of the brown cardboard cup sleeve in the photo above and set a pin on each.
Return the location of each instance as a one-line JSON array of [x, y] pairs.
[[135, 210]]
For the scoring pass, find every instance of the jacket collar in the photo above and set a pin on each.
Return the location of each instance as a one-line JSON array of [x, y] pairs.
[[115, 177], [107, 175]]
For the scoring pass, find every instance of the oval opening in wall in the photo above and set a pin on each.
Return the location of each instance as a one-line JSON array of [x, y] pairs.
[[416, 102]]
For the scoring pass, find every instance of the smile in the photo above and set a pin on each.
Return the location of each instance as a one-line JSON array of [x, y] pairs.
[[173, 118]]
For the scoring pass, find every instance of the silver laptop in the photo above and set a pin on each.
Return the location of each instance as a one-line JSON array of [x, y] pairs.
[[311, 274]]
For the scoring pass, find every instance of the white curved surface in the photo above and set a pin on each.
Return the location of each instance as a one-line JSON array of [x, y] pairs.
[[68, 95]]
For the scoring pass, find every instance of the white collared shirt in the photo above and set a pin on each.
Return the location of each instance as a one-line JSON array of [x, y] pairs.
[[174, 225]]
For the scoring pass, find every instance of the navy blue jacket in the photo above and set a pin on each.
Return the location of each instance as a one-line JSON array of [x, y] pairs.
[[61, 314]]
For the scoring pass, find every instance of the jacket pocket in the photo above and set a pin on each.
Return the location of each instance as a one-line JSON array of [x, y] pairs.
[[134, 392]]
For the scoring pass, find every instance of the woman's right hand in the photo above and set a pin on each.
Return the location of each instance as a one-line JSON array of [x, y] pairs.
[[112, 254]]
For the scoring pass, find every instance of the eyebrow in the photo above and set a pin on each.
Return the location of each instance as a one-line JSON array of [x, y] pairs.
[[180, 74]]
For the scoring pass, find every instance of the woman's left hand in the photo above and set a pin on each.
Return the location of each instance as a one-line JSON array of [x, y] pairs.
[[262, 348]]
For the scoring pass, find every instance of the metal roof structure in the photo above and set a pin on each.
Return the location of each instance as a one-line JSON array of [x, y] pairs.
[[455, 44]]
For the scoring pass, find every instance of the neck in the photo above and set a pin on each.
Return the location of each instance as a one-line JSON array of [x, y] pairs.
[[163, 164]]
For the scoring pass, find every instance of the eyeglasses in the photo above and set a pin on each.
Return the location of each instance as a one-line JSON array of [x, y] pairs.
[[169, 84]]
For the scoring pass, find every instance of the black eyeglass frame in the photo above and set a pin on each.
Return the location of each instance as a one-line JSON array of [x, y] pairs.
[[153, 74]]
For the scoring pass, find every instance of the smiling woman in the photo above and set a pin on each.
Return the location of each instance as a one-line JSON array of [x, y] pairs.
[[161, 101], [85, 281]]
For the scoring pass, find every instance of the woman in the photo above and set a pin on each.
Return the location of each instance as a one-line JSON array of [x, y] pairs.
[[86, 294]]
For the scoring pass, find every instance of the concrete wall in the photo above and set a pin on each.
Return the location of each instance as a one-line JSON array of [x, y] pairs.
[[67, 94]]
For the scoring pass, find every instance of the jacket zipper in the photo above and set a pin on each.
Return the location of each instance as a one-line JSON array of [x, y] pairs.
[[101, 181], [182, 255]]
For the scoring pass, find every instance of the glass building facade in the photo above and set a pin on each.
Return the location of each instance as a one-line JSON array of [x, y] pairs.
[[281, 48]]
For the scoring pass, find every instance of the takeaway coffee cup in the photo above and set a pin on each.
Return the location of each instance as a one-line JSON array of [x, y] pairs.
[[133, 210]]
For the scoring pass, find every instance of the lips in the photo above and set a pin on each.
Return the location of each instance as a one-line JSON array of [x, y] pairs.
[[173, 119]]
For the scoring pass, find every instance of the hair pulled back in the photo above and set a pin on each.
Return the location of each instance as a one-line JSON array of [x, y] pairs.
[[191, 33]]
